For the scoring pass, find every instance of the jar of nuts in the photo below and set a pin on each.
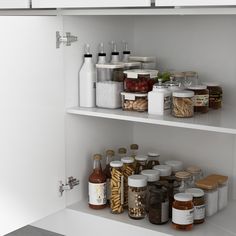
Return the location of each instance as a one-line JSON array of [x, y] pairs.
[[117, 187], [137, 196]]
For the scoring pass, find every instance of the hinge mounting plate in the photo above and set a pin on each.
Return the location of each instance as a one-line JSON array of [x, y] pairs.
[[69, 185], [67, 39]]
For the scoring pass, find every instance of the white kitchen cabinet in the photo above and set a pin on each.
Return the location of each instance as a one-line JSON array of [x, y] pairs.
[[8, 4]]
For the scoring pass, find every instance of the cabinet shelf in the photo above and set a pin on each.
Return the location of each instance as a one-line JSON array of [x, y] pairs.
[[222, 121], [214, 226]]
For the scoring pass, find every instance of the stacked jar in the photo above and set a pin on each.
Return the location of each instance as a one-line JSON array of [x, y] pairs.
[[175, 165], [165, 171], [153, 160]]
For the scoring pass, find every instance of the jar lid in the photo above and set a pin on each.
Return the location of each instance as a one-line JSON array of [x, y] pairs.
[[182, 175], [165, 170], [153, 175], [172, 83], [116, 164], [152, 154], [183, 197], [134, 74], [110, 153], [183, 94], [141, 158], [134, 146], [177, 74], [97, 157], [190, 73], [211, 84], [127, 160], [137, 181], [122, 150], [207, 184], [194, 169], [110, 66], [196, 192], [175, 165], [198, 87], [159, 85], [221, 179]]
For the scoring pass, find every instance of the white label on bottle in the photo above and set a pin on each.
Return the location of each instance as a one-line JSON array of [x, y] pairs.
[[97, 193], [165, 212], [199, 212], [182, 217]]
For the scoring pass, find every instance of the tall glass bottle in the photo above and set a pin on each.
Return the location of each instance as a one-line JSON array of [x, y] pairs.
[[97, 185]]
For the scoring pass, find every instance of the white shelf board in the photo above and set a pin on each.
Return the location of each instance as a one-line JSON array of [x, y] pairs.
[[222, 120], [221, 224]]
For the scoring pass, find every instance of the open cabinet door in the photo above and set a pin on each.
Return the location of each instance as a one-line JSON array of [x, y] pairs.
[[195, 3], [32, 152], [15, 4]]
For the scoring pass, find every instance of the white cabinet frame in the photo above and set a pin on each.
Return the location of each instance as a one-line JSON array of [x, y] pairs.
[[163, 3], [14, 4]]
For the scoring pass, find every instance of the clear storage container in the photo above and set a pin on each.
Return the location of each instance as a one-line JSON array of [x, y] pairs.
[[184, 178], [153, 160], [191, 78], [134, 101], [147, 63], [196, 173]]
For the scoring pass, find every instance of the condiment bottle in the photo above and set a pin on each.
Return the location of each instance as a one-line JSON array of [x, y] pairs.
[[114, 54], [102, 73], [153, 160], [122, 152], [176, 166], [117, 187], [97, 185], [183, 211], [184, 178], [165, 171], [196, 173], [136, 196], [107, 171], [199, 204], [141, 163], [126, 52], [134, 150]]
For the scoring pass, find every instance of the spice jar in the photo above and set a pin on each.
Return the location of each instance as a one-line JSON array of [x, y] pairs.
[[201, 98], [159, 206], [141, 163], [196, 173], [117, 187], [134, 150], [122, 152], [211, 195], [176, 166], [153, 176], [199, 204], [184, 178], [128, 170], [165, 171], [136, 196], [153, 160], [183, 104]]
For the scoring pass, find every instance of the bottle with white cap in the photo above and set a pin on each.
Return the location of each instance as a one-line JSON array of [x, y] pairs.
[[175, 165], [165, 171], [153, 160]]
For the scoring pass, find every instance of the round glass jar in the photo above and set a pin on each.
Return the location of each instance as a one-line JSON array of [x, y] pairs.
[[165, 171], [191, 79], [141, 163], [176, 166], [134, 150], [196, 173], [201, 98], [139, 81], [137, 196], [117, 187], [173, 85], [178, 77], [199, 204], [153, 160], [184, 178], [183, 104], [122, 152], [183, 212]]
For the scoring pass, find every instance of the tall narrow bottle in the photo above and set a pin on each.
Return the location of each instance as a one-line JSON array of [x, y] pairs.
[[126, 52], [97, 185], [87, 79], [115, 58]]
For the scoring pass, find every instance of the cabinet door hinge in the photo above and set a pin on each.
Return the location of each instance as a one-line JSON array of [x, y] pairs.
[[66, 39], [69, 185]]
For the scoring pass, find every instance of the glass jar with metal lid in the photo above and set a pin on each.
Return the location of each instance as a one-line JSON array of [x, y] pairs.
[[141, 163], [165, 171], [184, 178], [153, 160], [196, 173], [199, 204], [173, 85], [136, 196], [175, 165]]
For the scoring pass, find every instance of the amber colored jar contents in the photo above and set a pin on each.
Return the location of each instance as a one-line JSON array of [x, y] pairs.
[[182, 212], [153, 160], [97, 185]]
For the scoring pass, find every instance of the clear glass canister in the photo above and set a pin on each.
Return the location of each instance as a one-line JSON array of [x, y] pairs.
[[141, 163], [179, 77], [134, 150], [183, 104], [184, 178], [175, 165], [128, 170], [153, 176], [173, 85], [165, 171], [137, 196], [191, 79], [117, 187], [153, 160], [122, 152], [196, 173]]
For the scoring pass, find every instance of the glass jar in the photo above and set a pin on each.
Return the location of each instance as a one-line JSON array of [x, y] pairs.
[[191, 79], [173, 85], [147, 63], [210, 188], [122, 152], [184, 179], [165, 171], [183, 211], [134, 150], [128, 170], [139, 81], [136, 196], [159, 206], [199, 204], [141, 163], [176, 166], [134, 101], [117, 187], [153, 176], [183, 104], [153, 160], [179, 77], [196, 173], [201, 98]]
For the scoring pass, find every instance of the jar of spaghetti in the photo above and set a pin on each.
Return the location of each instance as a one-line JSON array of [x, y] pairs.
[[183, 211], [165, 171]]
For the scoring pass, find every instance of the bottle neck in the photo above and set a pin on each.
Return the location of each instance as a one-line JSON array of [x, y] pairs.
[[101, 60], [97, 166], [115, 58], [88, 59]]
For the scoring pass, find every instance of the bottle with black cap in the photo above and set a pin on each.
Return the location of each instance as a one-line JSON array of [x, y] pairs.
[[114, 54], [87, 79], [126, 52], [103, 74]]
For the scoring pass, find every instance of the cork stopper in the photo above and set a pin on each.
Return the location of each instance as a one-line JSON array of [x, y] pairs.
[[206, 184], [97, 157], [122, 150], [134, 146], [110, 153]]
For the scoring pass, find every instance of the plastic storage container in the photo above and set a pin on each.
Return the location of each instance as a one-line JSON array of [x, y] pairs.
[[147, 63], [140, 163], [134, 150], [134, 101], [122, 152], [191, 79]]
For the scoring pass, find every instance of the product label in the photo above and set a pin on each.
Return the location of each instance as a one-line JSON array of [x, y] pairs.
[[199, 212], [108, 189], [201, 100], [182, 217], [97, 193], [164, 212], [167, 102], [137, 199]]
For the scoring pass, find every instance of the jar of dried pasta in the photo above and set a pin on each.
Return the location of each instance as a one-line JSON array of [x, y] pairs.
[[183, 104]]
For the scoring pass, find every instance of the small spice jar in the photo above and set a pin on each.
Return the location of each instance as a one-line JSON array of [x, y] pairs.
[[134, 150], [199, 204], [153, 176], [211, 195], [165, 171], [117, 187], [141, 163], [153, 160], [122, 152], [183, 211], [184, 178], [183, 104], [201, 98], [196, 173], [128, 170], [137, 196], [176, 166], [159, 206]]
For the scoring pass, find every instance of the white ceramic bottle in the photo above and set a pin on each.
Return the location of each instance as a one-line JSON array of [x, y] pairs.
[[87, 79]]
